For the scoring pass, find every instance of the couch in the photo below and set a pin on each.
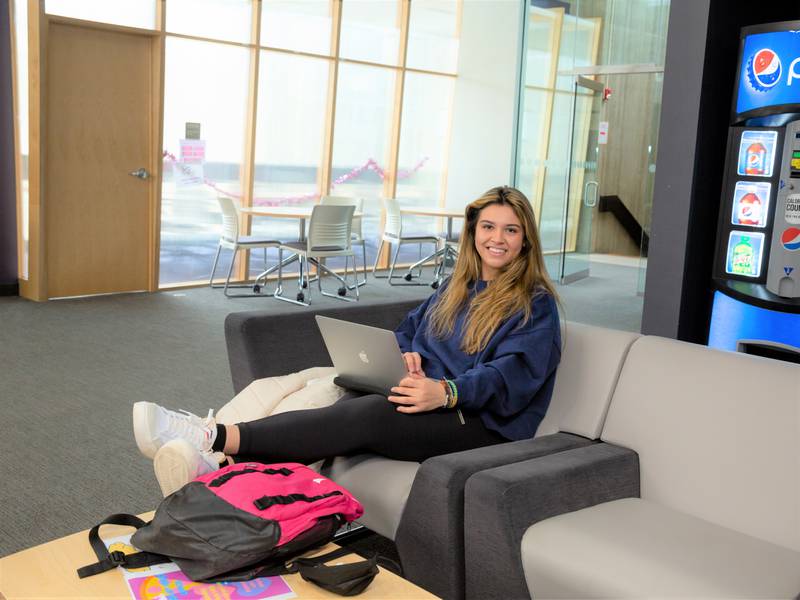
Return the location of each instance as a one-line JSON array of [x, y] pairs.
[[692, 491], [421, 506]]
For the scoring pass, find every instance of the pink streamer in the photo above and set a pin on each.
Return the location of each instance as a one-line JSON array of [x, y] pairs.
[[370, 165]]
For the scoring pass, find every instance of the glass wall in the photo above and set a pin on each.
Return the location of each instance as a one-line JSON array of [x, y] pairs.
[[564, 163], [205, 84]]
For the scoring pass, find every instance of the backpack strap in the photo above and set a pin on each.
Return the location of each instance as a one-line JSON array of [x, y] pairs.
[[265, 502], [347, 579], [223, 479], [108, 560]]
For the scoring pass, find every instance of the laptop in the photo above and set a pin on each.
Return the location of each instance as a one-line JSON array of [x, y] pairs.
[[366, 359]]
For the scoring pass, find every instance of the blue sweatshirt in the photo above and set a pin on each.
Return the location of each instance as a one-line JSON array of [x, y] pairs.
[[510, 381]]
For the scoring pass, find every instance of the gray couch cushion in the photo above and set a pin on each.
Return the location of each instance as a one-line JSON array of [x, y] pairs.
[[382, 485], [717, 433], [591, 360], [633, 548]]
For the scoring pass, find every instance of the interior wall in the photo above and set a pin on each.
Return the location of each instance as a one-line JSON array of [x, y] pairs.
[[8, 201], [484, 103]]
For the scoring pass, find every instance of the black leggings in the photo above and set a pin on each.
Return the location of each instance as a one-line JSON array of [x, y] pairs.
[[358, 423]]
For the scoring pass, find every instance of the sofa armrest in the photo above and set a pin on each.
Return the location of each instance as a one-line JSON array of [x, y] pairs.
[[265, 344], [431, 530], [501, 503]]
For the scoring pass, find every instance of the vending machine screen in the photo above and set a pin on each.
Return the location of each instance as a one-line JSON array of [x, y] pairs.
[[757, 153], [751, 203], [744, 253]]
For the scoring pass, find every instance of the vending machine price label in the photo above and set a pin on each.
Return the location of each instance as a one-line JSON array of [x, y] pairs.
[[792, 212]]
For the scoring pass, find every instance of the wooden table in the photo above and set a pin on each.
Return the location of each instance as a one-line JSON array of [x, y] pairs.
[[48, 571]]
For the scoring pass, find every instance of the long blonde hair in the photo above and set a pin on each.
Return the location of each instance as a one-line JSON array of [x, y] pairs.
[[509, 293]]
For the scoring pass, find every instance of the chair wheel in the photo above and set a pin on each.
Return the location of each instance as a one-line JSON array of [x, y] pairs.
[[305, 284], [256, 289], [435, 285], [407, 276], [301, 297], [342, 291]]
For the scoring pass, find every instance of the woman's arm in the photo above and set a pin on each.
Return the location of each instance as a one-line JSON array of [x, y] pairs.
[[406, 331], [520, 365]]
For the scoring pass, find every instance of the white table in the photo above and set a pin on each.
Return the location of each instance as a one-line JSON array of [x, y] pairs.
[[448, 249], [301, 213]]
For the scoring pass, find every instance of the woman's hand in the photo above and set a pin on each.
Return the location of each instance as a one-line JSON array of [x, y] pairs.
[[419, 394], [414, 364]]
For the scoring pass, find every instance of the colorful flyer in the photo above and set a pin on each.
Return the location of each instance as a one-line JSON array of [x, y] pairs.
[[167, 582], [744, 253], [176, 586], [757, 153], [751, 203]]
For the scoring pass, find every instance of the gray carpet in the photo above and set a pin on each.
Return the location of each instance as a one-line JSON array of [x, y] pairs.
[[71, 370]]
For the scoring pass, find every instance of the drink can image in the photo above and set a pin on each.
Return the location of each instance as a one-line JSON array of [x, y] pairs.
[[744, 253], [751, 203], [757, 153]]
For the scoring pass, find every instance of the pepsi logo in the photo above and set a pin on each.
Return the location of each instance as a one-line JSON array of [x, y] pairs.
[[790, 239], [763, 70]]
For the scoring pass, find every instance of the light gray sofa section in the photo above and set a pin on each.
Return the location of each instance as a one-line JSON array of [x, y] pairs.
[[693, 492], [421, 507]]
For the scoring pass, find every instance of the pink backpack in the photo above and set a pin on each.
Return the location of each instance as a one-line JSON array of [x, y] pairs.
[[245, 520]]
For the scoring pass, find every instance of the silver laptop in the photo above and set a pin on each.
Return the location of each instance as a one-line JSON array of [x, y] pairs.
[[365, 358]]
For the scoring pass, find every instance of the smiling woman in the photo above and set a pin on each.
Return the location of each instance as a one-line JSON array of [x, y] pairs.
[[481, 355]]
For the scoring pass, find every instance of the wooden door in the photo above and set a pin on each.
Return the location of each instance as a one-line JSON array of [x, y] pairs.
[[99, 126]]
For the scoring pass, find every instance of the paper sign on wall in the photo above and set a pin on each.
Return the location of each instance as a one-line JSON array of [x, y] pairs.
[[602, 134]]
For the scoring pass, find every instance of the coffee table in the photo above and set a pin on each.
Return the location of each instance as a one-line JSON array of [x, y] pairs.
[[48, 571]]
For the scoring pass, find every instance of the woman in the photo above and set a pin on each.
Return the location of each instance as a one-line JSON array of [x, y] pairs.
[[481, 354]]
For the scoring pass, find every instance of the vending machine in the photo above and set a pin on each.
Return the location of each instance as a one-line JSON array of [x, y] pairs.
[[756, 275]]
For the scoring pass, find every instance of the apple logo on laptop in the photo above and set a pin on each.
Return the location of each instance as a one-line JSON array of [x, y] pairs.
[[363, 356]]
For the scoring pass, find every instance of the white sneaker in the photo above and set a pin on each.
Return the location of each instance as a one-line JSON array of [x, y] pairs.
[[154, 426], [178, 462]]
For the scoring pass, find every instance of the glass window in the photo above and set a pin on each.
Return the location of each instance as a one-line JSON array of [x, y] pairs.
[[371, 31], [21, 55], [301, 26], [292, 98], [205, 83], [362, 136], [290, 132], [130, 13], [427, 101], [229, 20], [433, 35], [424, 132]]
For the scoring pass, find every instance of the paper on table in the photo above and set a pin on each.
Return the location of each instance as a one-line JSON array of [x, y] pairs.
[[167, 582]]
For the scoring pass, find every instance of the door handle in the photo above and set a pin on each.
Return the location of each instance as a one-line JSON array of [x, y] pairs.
[[141, 173], [593, 202]]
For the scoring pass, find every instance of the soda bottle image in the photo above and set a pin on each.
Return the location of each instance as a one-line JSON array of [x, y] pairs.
[[742, 259], [755, 159], [749, 210]]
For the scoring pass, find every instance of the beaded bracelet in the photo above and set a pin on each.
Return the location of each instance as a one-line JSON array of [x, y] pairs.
[[450, 393], [454, 389]]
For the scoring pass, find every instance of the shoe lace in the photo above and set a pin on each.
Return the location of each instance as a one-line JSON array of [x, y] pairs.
[[192, 428]]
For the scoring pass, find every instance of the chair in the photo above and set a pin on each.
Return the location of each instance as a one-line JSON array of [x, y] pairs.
[[393, 234], [357, 236], [329, 235], [231, 239]]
